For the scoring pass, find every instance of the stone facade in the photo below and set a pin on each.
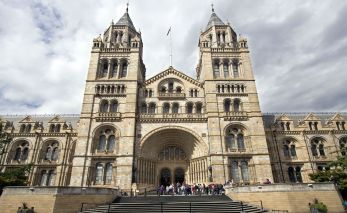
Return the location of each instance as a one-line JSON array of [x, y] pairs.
[[138, 132]]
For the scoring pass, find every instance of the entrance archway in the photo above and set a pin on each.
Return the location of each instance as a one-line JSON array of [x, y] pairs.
[[165, 177], [179, 175], [172, 154]]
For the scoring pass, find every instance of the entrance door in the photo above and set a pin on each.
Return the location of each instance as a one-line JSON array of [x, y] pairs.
[[179, 175], [165, 177]]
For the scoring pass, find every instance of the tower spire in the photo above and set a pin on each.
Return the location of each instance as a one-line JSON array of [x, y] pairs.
[[127, 7]]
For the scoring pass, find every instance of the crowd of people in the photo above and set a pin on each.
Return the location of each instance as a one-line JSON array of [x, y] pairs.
[[194, 189]]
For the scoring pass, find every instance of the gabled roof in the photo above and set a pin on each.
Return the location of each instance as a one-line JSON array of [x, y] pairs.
[[283, 117], [172, 70], [311, 117], [27, 119], [337, 117], [125, 20], [214, 21]]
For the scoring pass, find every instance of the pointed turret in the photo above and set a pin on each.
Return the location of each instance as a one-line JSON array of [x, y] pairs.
[[214, 20], [125, 20]]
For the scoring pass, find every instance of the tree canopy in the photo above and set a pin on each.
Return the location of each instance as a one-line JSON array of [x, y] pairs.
[[337, 174]]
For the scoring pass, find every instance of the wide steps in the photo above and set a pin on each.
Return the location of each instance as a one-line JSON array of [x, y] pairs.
[[168, 203]]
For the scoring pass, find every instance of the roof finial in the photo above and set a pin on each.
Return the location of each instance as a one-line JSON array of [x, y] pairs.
[[127, 6], [212, 8]]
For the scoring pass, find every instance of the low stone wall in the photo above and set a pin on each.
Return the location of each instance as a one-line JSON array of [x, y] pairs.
[[55, 199], [291, 197]]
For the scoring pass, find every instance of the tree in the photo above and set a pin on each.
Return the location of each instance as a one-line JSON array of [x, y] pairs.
[[336, 174], [5, 139], [15, 177]]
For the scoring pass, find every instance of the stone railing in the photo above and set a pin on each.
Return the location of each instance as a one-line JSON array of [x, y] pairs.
[[173, 115], [110, 89], [236, 116], [108, 116], [115, 50], [171, 95]]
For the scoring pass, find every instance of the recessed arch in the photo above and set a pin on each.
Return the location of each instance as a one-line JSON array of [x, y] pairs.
[[190, 142]]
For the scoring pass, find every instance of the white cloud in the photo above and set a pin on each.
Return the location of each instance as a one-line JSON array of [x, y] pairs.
[[298, 48]]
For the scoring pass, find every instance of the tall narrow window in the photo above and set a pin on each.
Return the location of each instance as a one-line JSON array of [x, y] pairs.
[[57, 128], [111, 143], [235, 69], [235, 171], [28, 128], [104, 106], [50, 178], [291, 175], [25, 154], [189, 108], [321, 150], [226, 69], [108, 175], [22, 128], [230, 142], [43, 181], [310, 125], [102, 143], [286, 150], [144, 108], [55, 153], [240, 141], [114, 106], [236, 105], [48, 155], [170, 86], [124, 69], [114, 69], [99, 173], [151, 108], [292, 150], [198, 108], [298, 174], [338, 125], [288, 126], [175, 108], [166, 108], [18, 153], [314, 149], [104, 69], [315, 125], [244, 171], [216, 69], [227, 105]]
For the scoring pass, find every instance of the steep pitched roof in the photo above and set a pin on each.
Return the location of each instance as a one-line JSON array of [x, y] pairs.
[[214, 20], [125, 20]]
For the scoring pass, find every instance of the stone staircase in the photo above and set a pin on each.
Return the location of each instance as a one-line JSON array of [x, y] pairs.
[[169, 203]]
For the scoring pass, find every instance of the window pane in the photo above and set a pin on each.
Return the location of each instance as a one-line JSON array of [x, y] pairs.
[[102, 143], [235, 172], [244, 171], [108, 173], [240, 141], [55, 153], [111, 143]]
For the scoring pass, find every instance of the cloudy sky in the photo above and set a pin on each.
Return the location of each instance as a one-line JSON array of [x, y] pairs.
[[299, 48]]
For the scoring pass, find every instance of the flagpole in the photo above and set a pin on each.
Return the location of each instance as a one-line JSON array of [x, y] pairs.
[[170, 48]]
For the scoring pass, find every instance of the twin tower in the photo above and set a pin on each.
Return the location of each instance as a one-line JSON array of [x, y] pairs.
[[138, 132]]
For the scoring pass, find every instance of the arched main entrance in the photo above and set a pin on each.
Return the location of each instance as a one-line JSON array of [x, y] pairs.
[[165, 177], [170, 155], [179, 175]]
